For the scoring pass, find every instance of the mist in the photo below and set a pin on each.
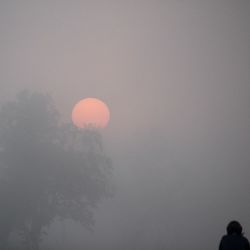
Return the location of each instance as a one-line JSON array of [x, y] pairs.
[[175, 75]]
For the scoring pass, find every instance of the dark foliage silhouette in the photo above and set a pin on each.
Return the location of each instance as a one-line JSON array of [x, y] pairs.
[[48, 170]]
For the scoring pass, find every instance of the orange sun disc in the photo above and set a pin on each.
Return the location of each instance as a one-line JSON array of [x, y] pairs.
[[90, 112]]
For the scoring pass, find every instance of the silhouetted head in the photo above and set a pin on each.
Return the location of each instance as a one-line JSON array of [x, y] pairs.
[[234, 227]]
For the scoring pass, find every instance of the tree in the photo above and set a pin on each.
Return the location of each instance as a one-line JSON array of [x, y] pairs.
[[48, 169]]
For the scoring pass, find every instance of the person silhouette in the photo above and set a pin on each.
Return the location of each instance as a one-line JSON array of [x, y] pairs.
[[234, 239]]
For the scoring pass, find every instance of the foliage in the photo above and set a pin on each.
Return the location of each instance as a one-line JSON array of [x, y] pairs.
[[48, 169]]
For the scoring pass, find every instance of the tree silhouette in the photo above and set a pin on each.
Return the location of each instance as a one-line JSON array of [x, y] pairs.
[[48, 169]]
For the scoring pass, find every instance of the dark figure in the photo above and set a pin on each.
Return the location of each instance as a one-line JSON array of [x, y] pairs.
[[234, 240]]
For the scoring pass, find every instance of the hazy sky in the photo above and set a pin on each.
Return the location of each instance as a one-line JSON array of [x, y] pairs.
[[175, 75]]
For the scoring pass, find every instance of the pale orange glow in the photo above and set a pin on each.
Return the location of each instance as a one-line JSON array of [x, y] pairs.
[[91, 112]]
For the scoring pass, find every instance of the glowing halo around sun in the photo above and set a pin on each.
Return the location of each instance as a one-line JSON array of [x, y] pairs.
[[90, 112]]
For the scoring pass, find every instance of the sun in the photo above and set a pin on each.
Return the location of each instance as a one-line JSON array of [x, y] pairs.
[[91, 112]]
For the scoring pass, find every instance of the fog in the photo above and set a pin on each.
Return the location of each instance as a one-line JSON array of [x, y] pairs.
[[175, 75]]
